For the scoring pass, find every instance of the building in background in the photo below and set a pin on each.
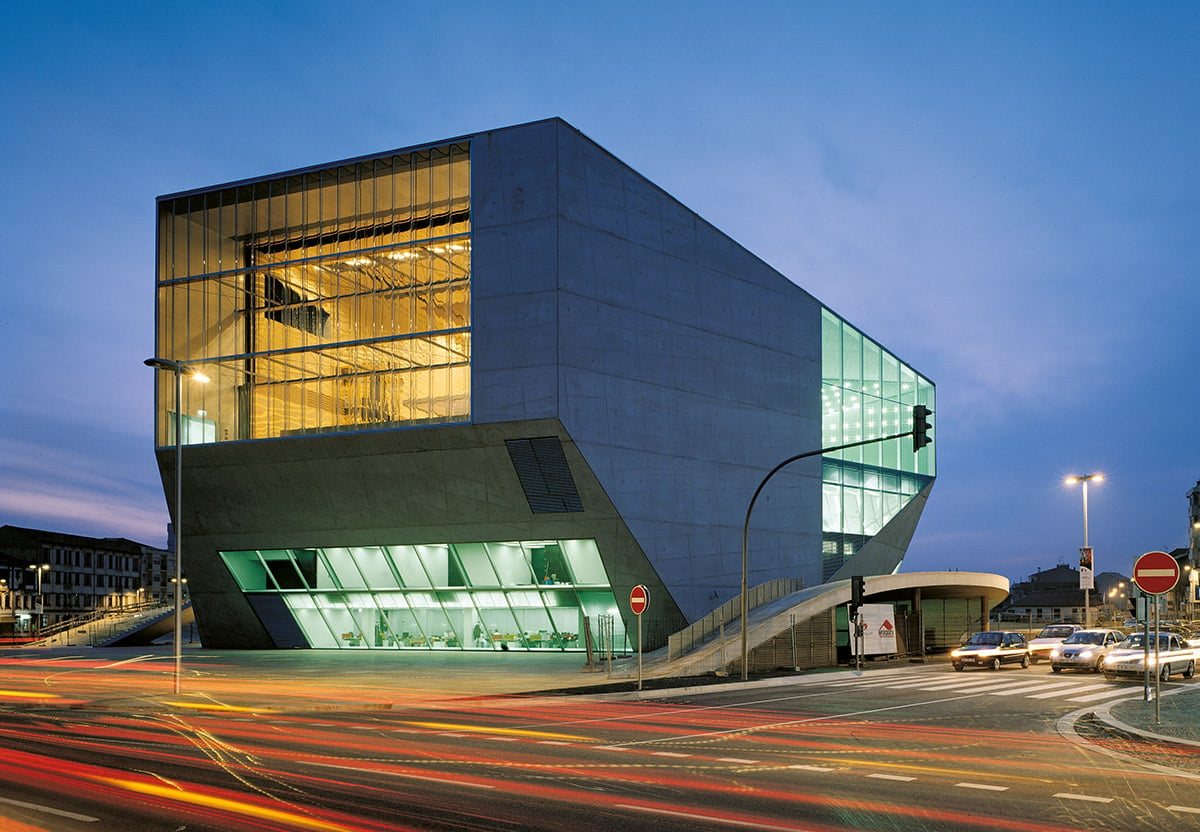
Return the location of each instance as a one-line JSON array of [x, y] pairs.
[[80, 576], [467, 395]]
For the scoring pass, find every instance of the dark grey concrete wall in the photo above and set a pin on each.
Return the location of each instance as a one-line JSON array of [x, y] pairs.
[[444, 485]]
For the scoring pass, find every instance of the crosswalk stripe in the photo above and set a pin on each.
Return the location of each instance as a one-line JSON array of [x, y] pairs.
[[1083, 689], [1042, 686], [1069, 690], [1105, 694]]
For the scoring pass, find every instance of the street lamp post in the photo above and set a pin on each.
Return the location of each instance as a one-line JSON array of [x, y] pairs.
[[1085, 479], [38, 569], [179, 370]]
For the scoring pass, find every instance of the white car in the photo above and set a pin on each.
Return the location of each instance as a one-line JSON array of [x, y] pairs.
[[1128, 657], [1084, 650], [1049, 638], [991, 648]]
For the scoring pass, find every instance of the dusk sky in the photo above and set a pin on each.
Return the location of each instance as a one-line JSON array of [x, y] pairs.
[[1005, 195]]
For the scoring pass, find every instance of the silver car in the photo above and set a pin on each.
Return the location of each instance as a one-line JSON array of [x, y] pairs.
[[1084, 650], [1128, 657]]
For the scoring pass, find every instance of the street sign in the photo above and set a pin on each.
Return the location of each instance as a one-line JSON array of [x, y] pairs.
[[639, 599], [1156, 573]]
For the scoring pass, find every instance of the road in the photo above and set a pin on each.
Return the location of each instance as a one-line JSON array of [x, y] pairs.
[[908, 748]]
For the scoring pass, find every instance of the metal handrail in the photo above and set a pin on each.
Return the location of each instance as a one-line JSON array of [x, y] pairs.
[[705, 629]]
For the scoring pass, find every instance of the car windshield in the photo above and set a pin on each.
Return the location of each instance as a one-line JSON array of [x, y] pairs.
[[989, 639], [1055, 632], [1137, 641], [1085, 638]]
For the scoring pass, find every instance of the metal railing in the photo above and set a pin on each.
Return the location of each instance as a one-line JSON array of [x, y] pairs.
[[99, 626], [707, 628]]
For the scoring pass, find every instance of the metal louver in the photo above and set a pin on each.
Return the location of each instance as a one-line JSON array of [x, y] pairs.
[[542, 469]]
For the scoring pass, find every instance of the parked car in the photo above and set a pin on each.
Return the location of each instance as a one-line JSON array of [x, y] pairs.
[[1084, 649], [991, 648], [1050, 637], [1128, 657]]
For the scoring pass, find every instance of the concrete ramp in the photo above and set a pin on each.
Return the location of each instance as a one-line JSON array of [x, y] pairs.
[[777, 617]]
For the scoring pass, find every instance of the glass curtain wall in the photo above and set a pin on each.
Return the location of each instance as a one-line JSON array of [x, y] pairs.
[[321, 301], [527, 595], [865, 392]]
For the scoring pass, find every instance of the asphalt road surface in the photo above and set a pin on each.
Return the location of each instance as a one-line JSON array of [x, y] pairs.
[[914, 748]]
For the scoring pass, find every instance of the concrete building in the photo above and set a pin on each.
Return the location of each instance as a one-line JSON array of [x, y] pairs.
[[467, 395]]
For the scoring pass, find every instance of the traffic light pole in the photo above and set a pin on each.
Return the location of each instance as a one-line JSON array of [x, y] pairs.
[[921, 425]]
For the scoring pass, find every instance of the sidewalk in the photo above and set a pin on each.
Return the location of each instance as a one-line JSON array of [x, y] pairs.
[[1176, 719]]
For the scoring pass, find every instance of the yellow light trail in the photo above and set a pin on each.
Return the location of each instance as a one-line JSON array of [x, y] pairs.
[[516, 732], [236, 807]]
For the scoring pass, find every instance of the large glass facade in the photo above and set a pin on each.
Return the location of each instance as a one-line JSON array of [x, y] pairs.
[[866, 392], [321, 301], [523, 595]]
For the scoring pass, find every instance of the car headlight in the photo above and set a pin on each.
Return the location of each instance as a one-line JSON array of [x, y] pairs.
[[1055, 653], [1086, 654]]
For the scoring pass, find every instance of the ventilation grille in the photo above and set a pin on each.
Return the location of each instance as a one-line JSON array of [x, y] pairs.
[[545, 477]]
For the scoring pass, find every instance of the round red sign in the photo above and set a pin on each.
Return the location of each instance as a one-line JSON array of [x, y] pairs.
[[639, 598], [1156, 573]]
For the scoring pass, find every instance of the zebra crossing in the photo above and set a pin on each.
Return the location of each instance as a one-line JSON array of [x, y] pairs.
[[1079, 689]]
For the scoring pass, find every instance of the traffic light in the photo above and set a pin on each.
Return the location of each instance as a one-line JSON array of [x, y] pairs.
[[921, 426], [856, 590]]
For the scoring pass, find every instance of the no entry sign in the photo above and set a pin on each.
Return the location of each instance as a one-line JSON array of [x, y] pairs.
[[1156, 573], [638, 599]]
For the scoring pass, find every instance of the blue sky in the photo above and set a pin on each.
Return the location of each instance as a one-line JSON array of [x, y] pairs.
[[1007, 195]]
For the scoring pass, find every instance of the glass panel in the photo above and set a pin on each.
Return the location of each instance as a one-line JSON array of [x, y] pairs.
[[408, 564], [282, 569], [583, 558], [566, 616], [533, 620], [374, 566], [511, 564], [247, 569], [596, 605], [496, 622], [310, 620], [476, 565], [548, 562], [345, 573]]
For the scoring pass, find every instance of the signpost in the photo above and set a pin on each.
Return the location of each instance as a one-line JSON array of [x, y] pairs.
[[1155, 573], [639, 599]]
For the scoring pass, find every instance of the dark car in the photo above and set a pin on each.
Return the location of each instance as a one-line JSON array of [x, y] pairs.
[[992, 648]]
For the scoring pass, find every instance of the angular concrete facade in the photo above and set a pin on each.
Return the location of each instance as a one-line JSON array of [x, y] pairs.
[[673, 367]]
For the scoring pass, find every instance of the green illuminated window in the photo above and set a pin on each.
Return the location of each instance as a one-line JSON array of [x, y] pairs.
[[526, 595], [866, 392]]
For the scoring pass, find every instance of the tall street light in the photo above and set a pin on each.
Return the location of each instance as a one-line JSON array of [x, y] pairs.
[[38, 569], [179, 370], [1085, 479]]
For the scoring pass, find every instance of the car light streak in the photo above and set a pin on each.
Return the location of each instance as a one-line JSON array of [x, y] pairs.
[[487, 729]]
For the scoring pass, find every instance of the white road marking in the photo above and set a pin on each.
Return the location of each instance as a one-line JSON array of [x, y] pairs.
[[899, 777], [705, 818], [1043, 686], [811, 768], [1106, 694], [983, 786], [404, 775], [1191, 809], [1087, 797], [1084, 689], [737, 760], [50, 810]]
